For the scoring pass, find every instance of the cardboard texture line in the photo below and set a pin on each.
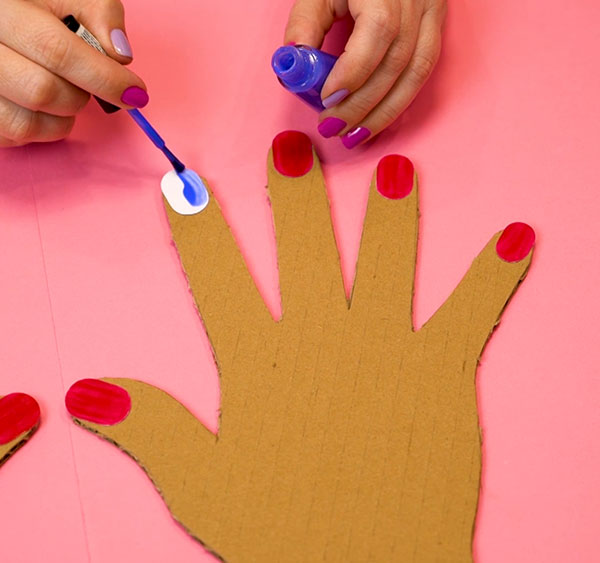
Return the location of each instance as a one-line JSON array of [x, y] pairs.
[[344, 434]]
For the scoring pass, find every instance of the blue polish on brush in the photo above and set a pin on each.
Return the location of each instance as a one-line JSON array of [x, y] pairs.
[[194, 189]]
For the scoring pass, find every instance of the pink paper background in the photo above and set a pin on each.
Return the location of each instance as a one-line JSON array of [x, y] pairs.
[[507, 129]]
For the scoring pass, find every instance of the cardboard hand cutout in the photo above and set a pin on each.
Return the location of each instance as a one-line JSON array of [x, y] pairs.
[[345, 435]]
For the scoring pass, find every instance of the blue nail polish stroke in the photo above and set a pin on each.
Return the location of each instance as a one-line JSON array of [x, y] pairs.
[[194, 189]]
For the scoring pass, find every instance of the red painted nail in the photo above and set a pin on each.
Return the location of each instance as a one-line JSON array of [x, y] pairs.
[[395, 176], [515, 242], [292, 153], [19, 413], [98, 401]]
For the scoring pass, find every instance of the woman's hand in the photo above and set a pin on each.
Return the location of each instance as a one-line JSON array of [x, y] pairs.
[[389, 56], [47, 72]]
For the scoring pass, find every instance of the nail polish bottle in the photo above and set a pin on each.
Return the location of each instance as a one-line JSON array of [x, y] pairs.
[[303, 70]]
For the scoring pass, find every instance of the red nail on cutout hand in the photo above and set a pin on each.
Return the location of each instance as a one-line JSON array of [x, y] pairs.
[[292, 153], [98, 401], [19, 413], [395, 176], [515, 242]]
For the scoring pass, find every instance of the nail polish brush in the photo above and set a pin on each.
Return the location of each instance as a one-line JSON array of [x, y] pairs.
[[194, 190], [193, 187]]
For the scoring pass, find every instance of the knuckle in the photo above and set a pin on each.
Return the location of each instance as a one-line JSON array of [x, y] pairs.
[[387, 115], [358, 106], [53, 50], [385, 24], [20, 126], [397, 58], [421, 67], [40, 91], [362, 71]]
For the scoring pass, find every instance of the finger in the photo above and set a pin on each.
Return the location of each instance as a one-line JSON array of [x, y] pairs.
[[471, 313], [106, 21], [19, 419], [46, 41], [308, 22], [31, 86], [374, 30], [22, 126], [383, 287], [7, 143], [409, 83], [224, 292], [353, 109], [309, 266], [174, 449]]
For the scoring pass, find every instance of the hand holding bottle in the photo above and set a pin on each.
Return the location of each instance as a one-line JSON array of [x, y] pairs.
[[389, 56]]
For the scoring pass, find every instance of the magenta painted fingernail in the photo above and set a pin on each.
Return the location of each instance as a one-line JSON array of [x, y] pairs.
[[515, 242], [355, 136], [19, 413], [134, 96], [121, 43], [98, 401], [335, 98], [395, 176], [331, 126]]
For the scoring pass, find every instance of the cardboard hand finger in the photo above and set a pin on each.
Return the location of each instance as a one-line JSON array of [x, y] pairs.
[[475, 306], [155, 429], [309, 267], [344, 434], [19, 419]]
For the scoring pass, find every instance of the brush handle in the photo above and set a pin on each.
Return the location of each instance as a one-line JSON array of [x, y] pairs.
[[144, 124], [153, 135]]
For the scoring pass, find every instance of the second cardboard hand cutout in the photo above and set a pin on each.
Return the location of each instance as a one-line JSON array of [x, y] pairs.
[[344, 434]]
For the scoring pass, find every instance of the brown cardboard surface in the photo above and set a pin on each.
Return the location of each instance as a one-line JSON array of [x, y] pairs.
[[344, 434], [8, 450]]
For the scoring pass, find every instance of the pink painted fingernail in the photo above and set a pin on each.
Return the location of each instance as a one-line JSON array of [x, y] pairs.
[[395, 176], [134, 96], [98, 401], [292, 153], [121, 43], [331, 126], [355, 136], [515, 242], [19, 413], [335, 98]]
